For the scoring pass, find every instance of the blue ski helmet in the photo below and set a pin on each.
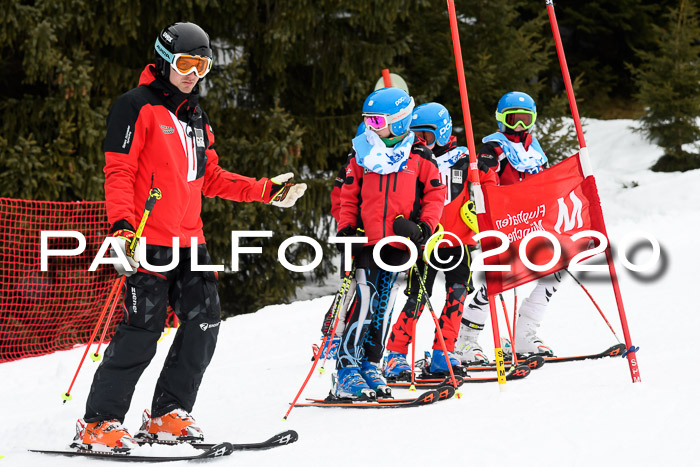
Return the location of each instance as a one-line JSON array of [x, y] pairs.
[[435, 118], [393, 106], [514, 100], [360, 129]]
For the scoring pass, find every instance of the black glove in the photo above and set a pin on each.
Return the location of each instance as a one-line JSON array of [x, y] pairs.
[[418, 233], [349, 231]]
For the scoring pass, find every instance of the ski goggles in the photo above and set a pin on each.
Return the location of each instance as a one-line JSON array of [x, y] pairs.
[[512, 118], [428, 133], [380, 121], [184, 64]]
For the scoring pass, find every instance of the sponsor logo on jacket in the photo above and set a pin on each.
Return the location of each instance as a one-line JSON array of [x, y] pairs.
[[127, 137], [167, 129], [205, 326]]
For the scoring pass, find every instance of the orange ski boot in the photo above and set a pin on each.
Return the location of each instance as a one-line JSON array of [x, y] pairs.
[[102, 435], [176, 425]]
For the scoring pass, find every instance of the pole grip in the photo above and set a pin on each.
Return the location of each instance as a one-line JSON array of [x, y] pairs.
[[153, 196]]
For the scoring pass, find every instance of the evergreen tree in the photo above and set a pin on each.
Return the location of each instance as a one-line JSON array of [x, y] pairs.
[[599, 38], [669, 87]]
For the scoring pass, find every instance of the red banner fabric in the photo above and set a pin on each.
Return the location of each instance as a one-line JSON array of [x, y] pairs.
[[559, 201]]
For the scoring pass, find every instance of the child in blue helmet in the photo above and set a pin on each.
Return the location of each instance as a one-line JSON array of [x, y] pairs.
[[511, 155], [331, 347], [392, 187], [433, 124]]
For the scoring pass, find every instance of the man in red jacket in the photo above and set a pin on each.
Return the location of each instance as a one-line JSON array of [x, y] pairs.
[[392, 187], [158, 136]]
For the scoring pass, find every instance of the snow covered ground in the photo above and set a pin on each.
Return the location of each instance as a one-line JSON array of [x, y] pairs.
[[569, 414]]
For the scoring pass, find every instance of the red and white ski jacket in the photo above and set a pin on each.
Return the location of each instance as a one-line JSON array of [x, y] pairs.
[[415, 193], [160, 137]]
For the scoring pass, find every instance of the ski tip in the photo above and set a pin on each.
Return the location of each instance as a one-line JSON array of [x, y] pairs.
[[518, 372], [446, 392], [617, 350], [535, 362], [218, 450]]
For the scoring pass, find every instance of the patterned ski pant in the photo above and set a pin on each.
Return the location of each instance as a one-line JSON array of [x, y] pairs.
[[534, 306], [367, 327], [194, 298]]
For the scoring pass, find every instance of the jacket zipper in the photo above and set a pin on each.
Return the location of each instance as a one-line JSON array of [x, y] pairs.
[[386, 202]]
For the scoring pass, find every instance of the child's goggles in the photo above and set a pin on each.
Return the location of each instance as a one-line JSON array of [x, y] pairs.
[[380, 121], [511, 118], [184, 64]]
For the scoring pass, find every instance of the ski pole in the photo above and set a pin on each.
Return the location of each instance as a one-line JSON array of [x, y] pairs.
[[336, 317], [412, 387], [510, 334], [113, 293], [153, 196], [333, 326], [439, 332], [416, 310], [596, 305], [113, 301], [515, 308], [344, 287]]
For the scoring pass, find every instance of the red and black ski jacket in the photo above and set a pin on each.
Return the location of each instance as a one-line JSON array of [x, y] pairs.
[[415, 193], [159, 137], [457, 193], [500, 170]]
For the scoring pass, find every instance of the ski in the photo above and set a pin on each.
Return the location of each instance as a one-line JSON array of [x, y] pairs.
[[614, 351], [446, 392], [217, 450], [515, 373], [280, 439], [426, 398], [427, 383], [209, 449], [533, 362]]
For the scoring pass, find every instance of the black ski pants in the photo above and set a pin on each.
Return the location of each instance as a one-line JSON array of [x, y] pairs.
[[194, 298]]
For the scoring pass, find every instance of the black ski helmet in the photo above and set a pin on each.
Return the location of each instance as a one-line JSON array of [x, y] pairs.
[[187, 38]]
